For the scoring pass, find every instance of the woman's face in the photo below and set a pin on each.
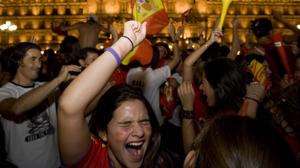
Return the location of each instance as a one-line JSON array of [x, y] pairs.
[[162, 52], [208, 91], [128, 134]]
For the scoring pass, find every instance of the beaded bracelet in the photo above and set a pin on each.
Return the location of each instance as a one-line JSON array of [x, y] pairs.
[[188, 114], [129, 41], [115, 54]]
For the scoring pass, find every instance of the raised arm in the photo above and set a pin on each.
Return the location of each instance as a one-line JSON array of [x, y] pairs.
[[187, 97], [71, 27], [113, 32], [26, 102], [235, 40], [279, 18], [255, 94], [175, 37], [191, 59], [74, 136]]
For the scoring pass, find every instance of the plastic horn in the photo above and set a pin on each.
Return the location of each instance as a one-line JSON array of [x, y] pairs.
[[225, 6], [278, 42]]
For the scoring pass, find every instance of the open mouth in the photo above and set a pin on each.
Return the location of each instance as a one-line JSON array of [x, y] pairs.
[[135, 150], [135, 145]]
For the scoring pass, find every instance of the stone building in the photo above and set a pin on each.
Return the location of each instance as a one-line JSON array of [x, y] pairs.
[[34, 18]]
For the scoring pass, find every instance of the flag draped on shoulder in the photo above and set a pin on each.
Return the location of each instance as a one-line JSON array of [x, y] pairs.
[[152, 12]]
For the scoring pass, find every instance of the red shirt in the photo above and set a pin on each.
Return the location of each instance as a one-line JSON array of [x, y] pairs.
[[97, 156]]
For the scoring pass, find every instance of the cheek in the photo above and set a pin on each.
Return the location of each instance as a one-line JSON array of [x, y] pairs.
[[148, 130], [118, 134]]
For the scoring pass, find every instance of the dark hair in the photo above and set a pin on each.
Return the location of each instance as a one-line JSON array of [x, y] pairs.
[[69, 44], [91, 19], [110, 101], [155, 57], [215, 51], [161, 44], [228, 81], [251, 57], [240, 142], [3, 153], [261, 27], [18, 54], [84, 52], [69, 51], [4, 56]]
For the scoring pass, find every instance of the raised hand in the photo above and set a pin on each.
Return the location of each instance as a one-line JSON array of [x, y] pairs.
[[187, 95], [64, 73], [171, 29], [255, 91], [135, 31], [113, 31], [215, 35], [235, 22], [179, 32]]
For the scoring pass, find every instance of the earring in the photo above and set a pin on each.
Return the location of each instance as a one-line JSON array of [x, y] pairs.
[[103, 145]]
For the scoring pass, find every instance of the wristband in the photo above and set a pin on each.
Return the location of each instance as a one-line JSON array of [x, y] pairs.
[[129, 41], [115, 54], [250, 98], [188, 114]]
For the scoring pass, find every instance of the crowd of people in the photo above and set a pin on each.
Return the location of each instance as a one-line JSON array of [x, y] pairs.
[[212, 106]]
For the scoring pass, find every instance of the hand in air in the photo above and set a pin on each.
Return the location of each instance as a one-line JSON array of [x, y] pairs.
[[135, 31]]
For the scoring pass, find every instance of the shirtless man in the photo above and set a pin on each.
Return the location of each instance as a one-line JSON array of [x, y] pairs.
[[88, 31]]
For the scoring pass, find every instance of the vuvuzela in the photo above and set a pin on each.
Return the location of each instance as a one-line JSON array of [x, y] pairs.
[[225, 6]]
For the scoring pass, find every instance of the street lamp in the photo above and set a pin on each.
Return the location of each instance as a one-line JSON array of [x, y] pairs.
[[8, 27]]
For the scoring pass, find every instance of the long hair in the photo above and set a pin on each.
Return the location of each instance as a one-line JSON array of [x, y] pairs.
[[110, 101], [18, 54], [240, 142], [228, 81]]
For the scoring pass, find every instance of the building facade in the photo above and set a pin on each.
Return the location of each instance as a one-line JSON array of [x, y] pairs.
[[35, 18]]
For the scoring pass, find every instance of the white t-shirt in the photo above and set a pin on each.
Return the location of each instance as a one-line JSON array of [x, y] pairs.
[[176, 120], [149, 81], [31, 141]]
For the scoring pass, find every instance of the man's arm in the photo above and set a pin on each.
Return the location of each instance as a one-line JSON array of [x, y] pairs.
[[71, 27], [235, 41], [18, 106]]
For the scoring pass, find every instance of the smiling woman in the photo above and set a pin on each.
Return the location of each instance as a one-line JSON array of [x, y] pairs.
[[123, 130], [125, 123]]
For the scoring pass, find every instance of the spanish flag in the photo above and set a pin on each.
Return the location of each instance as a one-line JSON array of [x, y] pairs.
[[153, 12], [258, 71]]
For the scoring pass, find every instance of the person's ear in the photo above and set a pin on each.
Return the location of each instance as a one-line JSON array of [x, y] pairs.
[[20, 63], [82, 63]]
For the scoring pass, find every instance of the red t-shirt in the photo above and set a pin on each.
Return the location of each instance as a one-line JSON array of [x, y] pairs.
[[119, 76], [199, 106], [97, 156]]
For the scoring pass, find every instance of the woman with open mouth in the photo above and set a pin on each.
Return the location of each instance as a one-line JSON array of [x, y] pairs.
[[123, 130]]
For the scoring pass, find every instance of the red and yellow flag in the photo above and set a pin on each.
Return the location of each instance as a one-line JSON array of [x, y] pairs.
[[153, 12], [259, 74]]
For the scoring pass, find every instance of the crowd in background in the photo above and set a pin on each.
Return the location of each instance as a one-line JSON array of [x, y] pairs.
[[211, 106]]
